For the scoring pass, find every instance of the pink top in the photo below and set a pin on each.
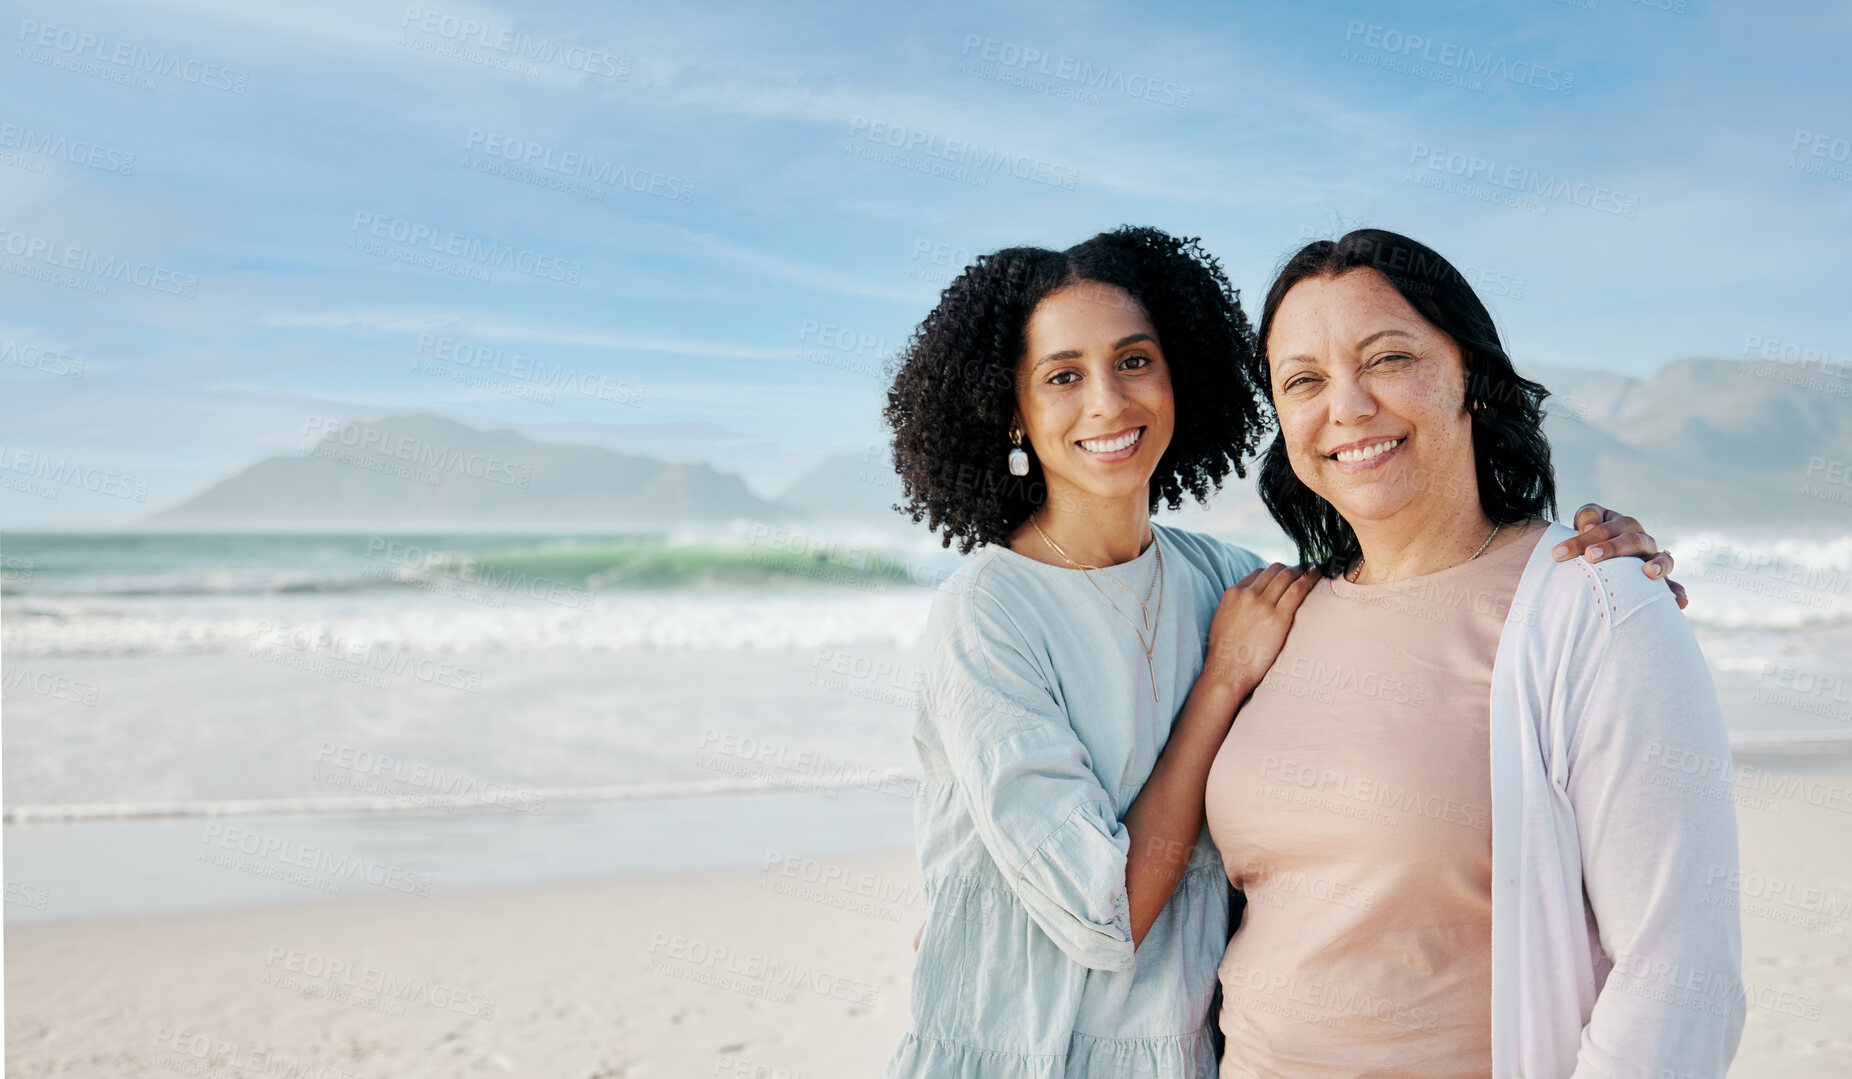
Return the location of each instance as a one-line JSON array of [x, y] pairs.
[[1352, 803]]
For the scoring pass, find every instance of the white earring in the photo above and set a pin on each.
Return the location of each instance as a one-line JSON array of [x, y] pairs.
[[1019, 458]]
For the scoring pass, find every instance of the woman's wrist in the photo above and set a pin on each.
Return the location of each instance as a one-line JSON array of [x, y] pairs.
[[1217, 697], [1233, 671]]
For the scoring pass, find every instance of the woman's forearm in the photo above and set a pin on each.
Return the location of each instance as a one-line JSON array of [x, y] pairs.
[[1165, 819]]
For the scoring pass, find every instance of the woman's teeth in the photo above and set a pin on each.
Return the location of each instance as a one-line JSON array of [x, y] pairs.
[[1364, 453], [1112, 445]]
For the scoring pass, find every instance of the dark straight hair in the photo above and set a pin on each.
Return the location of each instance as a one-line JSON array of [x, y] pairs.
[[1510, 453]]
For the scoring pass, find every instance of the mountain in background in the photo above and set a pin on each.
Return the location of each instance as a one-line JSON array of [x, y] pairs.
[[429, 471], [848, 486], [1699, 443], [1704, 442]]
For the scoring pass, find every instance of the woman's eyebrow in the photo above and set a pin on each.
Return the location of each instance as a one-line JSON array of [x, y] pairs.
[[1368, 341], [1074, 353]]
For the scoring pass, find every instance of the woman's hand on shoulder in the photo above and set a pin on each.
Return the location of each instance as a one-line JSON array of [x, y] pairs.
[[1251, 624], [1602, 533]]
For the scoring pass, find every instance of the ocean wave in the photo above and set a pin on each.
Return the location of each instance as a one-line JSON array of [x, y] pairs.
[[1762, 743], [178, 566], [1768, 582], [365, 806], [716, 622]]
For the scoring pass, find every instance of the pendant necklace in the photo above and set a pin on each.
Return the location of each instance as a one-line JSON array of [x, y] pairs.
[[1146, 616]]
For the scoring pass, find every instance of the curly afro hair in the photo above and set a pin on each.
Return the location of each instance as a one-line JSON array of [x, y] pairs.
[[954, 390]]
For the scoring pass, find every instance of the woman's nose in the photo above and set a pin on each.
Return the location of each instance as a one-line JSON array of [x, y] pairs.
[[1108, 396], [1350, 401]]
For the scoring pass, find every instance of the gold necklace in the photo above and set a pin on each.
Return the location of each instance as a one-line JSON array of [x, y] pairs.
[[1082, 565], [1149, 619], [1357, 570]]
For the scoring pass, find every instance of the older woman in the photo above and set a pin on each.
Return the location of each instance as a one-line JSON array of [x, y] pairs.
[[1076, 910], [1448, 802]]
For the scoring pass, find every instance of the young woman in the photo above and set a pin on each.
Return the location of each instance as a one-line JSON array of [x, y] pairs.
[[1452, 803], [1070, 708]]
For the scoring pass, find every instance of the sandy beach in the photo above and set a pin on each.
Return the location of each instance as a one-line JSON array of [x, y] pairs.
[[797, 968]]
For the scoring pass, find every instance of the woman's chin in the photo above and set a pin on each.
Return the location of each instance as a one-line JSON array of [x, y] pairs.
[[1358, 506], [1116, 485]]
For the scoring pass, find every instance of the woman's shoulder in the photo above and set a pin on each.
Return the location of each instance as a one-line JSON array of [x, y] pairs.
[[1609, 591], [1221, 561], [984, 598]]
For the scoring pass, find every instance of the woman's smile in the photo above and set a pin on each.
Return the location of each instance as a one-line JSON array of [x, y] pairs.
[[1367, 454], [1120, 446]]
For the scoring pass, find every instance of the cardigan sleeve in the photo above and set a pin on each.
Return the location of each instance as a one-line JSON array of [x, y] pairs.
[[1027, 781], [1650, 783]]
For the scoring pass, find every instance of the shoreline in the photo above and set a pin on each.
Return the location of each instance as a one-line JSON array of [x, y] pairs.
[[796, 967], [256, 853], [180, 865]]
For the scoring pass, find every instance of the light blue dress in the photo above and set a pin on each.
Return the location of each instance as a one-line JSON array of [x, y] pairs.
[[1035, 733]]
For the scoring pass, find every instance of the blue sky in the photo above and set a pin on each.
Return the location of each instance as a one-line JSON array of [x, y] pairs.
[[724, 218]]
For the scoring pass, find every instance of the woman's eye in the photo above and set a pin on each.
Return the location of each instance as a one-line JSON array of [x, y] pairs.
[[1298, 380], [1139, 360], [1392, 356], [1061, 378]]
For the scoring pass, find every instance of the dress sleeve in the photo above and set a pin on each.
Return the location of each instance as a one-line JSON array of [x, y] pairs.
[[1650, 784], [1028, 783]]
